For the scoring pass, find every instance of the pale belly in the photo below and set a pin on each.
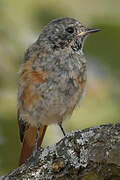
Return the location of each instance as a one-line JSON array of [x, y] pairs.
[[61, 107]]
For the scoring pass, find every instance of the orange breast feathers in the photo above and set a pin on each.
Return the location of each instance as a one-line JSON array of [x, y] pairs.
[[29, 80]]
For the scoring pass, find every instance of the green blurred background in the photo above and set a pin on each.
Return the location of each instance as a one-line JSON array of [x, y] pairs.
[[20, 25]]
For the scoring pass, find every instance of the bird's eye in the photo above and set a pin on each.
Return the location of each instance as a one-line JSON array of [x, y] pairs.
[[70, 30]]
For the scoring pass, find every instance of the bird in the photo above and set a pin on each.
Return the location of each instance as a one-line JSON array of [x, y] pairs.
[[52, 81]]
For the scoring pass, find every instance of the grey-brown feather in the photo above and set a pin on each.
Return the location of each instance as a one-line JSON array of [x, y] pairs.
[[60, 55], [22, 126]]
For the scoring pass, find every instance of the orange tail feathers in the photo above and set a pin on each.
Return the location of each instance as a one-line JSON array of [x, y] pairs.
[[29, 141]]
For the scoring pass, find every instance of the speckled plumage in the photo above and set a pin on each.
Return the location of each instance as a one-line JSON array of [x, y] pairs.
[[53, 76]]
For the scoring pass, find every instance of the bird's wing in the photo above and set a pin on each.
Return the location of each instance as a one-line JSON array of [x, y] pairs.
[[28, 96], [21, 124]]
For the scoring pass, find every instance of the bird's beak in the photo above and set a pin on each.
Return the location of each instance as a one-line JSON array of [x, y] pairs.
[[89, 31], [92, 30]]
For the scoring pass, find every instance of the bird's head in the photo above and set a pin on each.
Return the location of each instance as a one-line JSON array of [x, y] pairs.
[[66, 32]]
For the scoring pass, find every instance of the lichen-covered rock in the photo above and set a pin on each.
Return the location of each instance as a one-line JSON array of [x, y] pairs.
[[91, 154]]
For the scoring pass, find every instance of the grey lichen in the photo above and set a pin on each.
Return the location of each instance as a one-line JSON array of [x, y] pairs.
[[89, 154]]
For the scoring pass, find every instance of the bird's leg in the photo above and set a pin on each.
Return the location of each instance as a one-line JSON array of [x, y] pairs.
[[36, 141], [60, 125]]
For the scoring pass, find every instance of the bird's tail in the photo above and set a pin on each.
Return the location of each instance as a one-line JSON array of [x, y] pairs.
[[29, 141]]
